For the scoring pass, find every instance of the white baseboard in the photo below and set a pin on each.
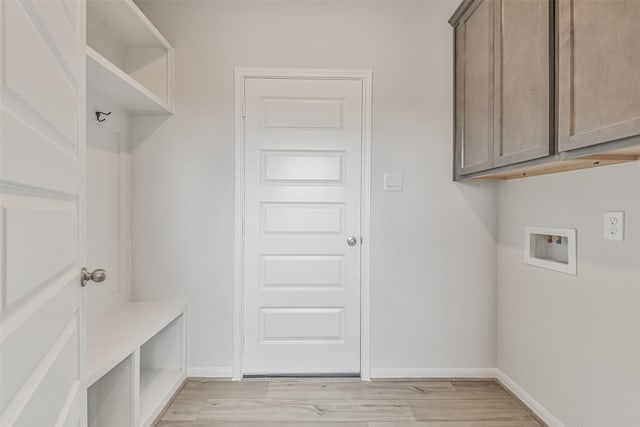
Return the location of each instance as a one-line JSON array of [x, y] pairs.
[[209, 371], [528, 400], [433, 373]]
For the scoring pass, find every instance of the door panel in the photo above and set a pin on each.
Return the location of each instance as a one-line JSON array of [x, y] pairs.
[[301, 113], [522, 95], [316, 167], [54, 168], [302, 200], [34, 76], [302, 218], [475, 88], [41, 242], [31, 340], [301, 324], [57, 383], [302, 271], [598, 63], [41, 180]]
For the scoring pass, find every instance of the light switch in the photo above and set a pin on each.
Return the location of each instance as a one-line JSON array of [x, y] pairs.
[[614, 225], [393, 181]]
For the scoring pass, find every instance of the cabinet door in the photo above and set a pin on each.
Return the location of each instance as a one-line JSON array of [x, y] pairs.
[[474, 88], [522, 76], [598, 71]]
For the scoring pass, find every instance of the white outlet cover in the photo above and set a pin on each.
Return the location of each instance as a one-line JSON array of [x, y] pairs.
[[613, 225], [393, 181]]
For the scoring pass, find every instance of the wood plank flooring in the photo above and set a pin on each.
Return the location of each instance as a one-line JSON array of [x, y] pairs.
[[348, 402]]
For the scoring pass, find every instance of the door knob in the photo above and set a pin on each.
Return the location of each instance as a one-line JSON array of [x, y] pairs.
[[96, 276], [352, 241]]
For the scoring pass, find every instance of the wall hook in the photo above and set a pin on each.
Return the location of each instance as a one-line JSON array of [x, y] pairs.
[[100, 113]]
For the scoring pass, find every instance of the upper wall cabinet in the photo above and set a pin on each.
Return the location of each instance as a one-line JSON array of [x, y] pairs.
[[503, 83], [523, 81], [128, 61], [598, 72], [474, 91], [545, 86]]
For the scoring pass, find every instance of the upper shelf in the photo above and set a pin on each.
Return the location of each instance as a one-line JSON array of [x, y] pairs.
[[128, 61], [124, 20], [109, 81]]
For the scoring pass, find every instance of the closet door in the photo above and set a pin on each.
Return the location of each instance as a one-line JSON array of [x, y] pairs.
[[523, 84], [599, 81], [474, 89], [41, 217]]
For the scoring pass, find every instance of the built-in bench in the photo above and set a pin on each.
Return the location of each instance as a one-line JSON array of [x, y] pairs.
[[136, 362]]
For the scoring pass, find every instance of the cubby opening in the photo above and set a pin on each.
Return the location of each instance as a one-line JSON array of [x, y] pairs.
[[110, 401], [161, 368]]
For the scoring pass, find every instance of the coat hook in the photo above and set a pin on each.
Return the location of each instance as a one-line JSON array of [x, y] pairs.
[[100, 113]]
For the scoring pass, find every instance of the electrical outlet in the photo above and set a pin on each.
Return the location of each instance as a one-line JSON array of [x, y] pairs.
[[393, 181], [614, 225]]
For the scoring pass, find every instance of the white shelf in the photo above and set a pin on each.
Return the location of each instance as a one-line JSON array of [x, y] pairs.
[[125, 21], [156, 388], [109, 81], [117, 333]]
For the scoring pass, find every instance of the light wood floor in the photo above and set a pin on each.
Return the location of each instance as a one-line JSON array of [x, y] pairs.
[[330, 402]]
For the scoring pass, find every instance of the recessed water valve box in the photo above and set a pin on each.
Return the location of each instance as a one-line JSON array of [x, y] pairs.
[[551, 248]]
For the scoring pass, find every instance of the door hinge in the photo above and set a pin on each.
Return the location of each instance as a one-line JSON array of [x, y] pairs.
[[242, 341], [244, 109]]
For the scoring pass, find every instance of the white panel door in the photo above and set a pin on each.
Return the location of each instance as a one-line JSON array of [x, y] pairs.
[[303, 143], [41, 182]]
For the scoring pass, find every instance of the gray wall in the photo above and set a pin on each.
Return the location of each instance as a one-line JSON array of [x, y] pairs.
[[433, 245], [573, 342]]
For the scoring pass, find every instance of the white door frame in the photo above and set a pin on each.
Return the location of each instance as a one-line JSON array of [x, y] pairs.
[[365, 76]]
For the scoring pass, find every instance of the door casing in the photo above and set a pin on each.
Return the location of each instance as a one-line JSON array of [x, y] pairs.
[[365, 76]]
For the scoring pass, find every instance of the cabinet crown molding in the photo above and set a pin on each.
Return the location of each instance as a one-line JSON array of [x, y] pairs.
[[460, 10]]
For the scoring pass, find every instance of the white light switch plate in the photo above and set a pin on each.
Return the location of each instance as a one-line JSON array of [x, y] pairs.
[[393, 181], [614, 225]]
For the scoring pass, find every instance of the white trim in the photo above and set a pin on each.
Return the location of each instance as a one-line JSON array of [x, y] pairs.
[[535, 406], [209, 372], [433, 373], [365, 263], [238, 270], [365, 225]]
